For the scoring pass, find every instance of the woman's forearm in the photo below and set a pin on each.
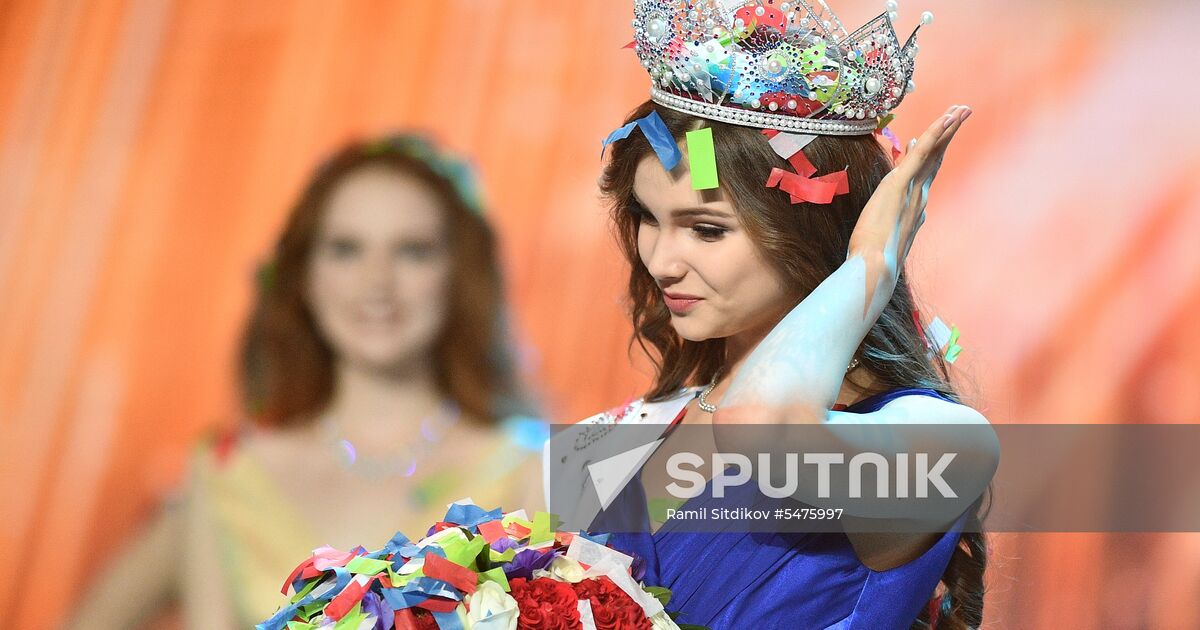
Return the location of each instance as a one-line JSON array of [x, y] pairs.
[[800, 365]]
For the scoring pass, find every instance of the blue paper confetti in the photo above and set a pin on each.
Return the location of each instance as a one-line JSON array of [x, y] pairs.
[[656, 133]]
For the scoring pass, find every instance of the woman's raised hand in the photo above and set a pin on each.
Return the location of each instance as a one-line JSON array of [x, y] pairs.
[[889, 222]]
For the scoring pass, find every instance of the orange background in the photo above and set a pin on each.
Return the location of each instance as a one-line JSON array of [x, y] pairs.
[[150, 149]]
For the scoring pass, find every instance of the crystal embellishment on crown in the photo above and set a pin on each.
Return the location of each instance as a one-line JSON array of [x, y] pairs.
[[780, 64]]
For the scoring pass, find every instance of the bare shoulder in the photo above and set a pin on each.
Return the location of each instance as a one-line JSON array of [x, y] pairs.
[[978, 448]]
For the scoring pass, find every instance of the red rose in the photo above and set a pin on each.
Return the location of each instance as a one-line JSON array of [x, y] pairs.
[[415, 618], [545, 604], [612, 608], [587, 589]]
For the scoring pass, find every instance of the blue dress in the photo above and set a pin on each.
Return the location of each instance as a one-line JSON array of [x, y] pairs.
[[787, 580]]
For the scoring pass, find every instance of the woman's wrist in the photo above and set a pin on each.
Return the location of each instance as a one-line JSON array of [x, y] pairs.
[[879, 265]]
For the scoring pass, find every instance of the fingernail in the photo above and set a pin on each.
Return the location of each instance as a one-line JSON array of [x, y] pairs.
[[949, 121], [968, 114]]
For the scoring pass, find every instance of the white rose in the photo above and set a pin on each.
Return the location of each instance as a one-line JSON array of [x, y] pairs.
[[490, 608], [663, 621], [566, 569]]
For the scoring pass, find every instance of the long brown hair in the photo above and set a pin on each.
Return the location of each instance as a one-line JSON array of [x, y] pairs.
[[286, 369], [806, 243]]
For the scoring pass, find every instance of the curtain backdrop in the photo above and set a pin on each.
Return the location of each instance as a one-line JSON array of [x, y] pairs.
[[149, 150]]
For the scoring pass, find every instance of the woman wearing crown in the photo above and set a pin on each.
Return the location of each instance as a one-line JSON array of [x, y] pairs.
[[767, 227]]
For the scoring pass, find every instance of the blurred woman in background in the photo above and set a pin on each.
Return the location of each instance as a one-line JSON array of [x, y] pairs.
[[376, 372]]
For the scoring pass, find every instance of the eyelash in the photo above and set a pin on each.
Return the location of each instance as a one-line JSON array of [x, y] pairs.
[[709, 232], [343, 249], [703, 231], [423, 251]]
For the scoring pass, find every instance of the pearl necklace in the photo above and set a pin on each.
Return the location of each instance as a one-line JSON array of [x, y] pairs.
[[707, 407]]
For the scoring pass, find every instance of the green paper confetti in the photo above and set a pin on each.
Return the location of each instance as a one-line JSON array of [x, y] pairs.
[[457, 544], [352, 620], [658, 508], [543, 528], [702, 159], [305, 591], [400, 580], [364, 565], [952, 347], [500, 558], [496, 575], [462, 552], [509, 519]]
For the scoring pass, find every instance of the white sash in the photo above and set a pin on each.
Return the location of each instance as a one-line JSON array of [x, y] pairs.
[[590, 486]]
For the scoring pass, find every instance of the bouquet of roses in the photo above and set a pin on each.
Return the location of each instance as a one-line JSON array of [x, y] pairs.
[[476, 570]]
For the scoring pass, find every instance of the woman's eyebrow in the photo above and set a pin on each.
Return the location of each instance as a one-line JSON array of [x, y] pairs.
[[693, 211], [701, 211]]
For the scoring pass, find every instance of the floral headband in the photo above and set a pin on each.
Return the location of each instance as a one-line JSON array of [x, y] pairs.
[[455, 170]]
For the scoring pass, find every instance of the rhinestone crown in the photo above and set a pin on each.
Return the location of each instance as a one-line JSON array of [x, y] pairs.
[[779, 64]]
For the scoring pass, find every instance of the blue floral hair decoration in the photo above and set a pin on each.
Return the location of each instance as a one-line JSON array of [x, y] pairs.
[[457, 171]]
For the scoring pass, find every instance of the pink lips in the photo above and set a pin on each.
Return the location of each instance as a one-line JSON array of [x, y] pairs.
[[679, 303]]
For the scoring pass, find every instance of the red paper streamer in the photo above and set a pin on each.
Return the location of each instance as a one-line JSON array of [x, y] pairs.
[[307, 564], [801, 185], [818, 190], [920, 331], [518, 531], [457, 576], [438, 604], [340, 605], [309, 573], [805, 168], [492, 531]]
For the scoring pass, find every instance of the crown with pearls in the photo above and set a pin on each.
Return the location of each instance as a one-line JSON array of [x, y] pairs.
[[779, 64]]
